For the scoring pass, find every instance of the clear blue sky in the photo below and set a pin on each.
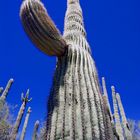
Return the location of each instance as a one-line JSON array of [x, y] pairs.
[[113, 31]]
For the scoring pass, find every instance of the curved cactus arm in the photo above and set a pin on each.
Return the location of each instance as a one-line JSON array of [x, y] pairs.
[[41, 29]]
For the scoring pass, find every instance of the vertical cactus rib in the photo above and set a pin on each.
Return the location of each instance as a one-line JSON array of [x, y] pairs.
[[25, 124], [6, 90], [36, 126], [61, 102], [41, 29], [125, 125], [109, 130], [86, 115], [20, 115], [78, 111], [96, 91], [51, 101], [116, 115]]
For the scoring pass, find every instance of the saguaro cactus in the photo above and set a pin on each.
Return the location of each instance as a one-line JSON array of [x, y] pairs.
[[125, 124], [20, 114], [25, 124], [75, 106], [116, 115], [36, 126], [5, 92]]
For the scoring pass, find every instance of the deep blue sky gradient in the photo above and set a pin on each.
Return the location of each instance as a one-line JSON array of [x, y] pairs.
[[113, 31]]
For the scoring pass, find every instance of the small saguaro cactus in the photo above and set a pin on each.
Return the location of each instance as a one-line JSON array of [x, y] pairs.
[[6, 90], [20, 114], [125, 124], [116, 115], [25, 124], [106, 94], [36, 126]]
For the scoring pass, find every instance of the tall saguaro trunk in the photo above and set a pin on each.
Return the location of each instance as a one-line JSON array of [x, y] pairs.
[[20, 115], [125, 124], [25, 124]]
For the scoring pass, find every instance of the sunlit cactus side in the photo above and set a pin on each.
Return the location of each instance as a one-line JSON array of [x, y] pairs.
[[118, 126], [107, 99], [25, 124], [35, 132], [6, 90], [41, 29], [125, 124], [20, 115]]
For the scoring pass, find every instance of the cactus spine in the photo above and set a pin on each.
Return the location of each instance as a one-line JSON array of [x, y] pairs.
[[6, 90], [25, 124], [125, 124], [36, 126], [20, 115]]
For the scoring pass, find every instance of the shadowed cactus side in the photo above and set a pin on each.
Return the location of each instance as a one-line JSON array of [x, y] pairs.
[[25, 100]]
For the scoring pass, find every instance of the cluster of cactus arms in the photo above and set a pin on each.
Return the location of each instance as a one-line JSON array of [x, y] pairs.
[[77, 109], [25, 100]]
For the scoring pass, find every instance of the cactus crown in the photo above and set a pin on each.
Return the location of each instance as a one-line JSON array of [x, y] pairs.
[[26, 98]]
